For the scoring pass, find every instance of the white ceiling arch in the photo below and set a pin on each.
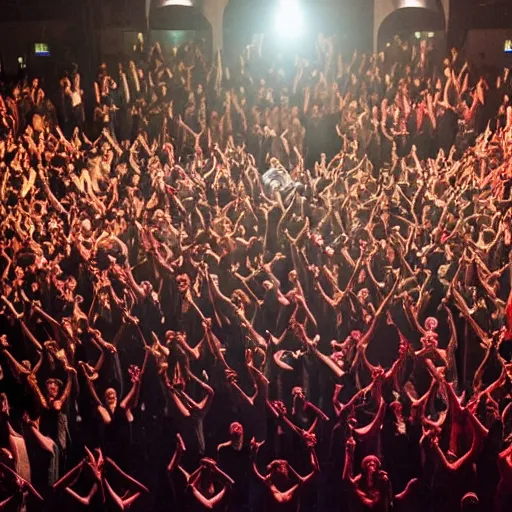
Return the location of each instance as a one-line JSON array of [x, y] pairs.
[[384, 8]]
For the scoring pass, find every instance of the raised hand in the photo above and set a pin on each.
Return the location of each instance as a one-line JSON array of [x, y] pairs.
[[255, 445]]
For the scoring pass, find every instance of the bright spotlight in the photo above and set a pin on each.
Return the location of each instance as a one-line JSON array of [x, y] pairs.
[[170, 3], [289, 22]]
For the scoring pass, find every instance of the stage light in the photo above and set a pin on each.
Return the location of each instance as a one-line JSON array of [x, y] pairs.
[[172, 3], [289, 22]]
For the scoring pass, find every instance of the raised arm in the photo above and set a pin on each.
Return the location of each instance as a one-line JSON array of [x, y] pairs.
[[44, 442], [21, 482], [348, 469], [314, 468], [368, 335], [207, 503], [130, 400], [140, 487], [104, 415], [255, 446], [26, 330], [376, 423], [203, 406]]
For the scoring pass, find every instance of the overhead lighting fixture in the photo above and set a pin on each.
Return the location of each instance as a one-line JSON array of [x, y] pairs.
[[289, 21], [170, 3]]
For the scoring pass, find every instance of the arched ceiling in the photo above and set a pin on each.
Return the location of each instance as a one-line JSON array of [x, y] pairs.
[[398, 16], [177, 15]]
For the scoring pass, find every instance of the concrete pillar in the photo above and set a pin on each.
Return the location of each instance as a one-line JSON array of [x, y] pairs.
[[383, 8], [213, 11]]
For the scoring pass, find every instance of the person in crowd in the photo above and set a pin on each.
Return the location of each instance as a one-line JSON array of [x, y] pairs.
[[315, 257]]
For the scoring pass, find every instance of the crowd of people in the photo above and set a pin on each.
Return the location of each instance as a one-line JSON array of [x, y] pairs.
[[281, 286]]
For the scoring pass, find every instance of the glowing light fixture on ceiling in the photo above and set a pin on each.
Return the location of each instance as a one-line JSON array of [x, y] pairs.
[[169, 3], [289, 20]]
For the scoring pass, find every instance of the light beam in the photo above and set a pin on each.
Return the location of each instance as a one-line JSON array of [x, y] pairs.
[[289, 20]]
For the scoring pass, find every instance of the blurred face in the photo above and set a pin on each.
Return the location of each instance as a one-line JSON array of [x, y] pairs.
[[111, 397], [236, 432], [390, 254], [37, 122], [4, 404], [52, 389], [183, 283], [363, 295], [147, 287], [371, 467], [236, 299], [298, 394], [278, 469], [268, 285]]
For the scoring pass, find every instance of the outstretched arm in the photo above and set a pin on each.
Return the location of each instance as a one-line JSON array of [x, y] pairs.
[[140, 487], [368, 335], [238, 391], [319, 416], [348, 470], [104, 415], [314, 465], [21, 481], [376, 423], [70, 476], [462, 306], [59, 404], [122, 503], [83, 500], [18, 369], [255, 446], [326, 361], [44, 442], [203, 406], [208, 503], [24, 327], [456, 465], [176, 456], [130, 400]]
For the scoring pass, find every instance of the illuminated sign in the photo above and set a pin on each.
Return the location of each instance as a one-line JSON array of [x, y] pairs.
[[41, 50]]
